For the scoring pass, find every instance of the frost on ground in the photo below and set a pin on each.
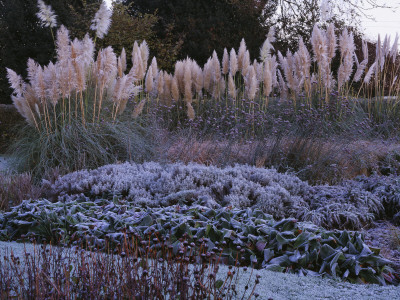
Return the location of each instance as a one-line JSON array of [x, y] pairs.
[[276, 285], [351, 205]]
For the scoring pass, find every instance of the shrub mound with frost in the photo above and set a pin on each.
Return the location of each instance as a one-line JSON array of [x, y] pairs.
[[281, 195]]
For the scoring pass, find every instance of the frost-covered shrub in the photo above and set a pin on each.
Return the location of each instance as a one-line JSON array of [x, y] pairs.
[[350, 205], [340, 207], [385, 188], [152, 184]]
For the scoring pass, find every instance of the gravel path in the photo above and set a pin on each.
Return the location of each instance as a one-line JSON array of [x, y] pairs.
[[280, 286]]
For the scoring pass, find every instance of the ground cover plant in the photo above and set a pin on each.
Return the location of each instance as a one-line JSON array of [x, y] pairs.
[[251, 236]]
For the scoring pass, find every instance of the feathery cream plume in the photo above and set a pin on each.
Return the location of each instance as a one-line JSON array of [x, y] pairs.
[[139, 108], [241, 53], [144, 51], [40, 87], [167, 88], [137, 63], [190, 111], [253, 88], [370, 73], [174, 89], [102, 21], [16, 82], [233, 62], [123, 60], [225, 62], [360, 70], [154, 65], [207, 73], [63, 46], [149, 83], [119, 67], [265, 50], [179, 72], [86, 55], [245, 63], [187, 78], [231, 87], [267, 80], [320, 48], [331, 42], [23, 108], [52, 89], [259, 70], [216, 68], [197, 77], [282, 85], [46, 15], [304, 60], [347, 49], [160, 83]]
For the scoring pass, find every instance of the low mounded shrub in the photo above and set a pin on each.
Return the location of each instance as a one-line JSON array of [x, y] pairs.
[[281, 195]]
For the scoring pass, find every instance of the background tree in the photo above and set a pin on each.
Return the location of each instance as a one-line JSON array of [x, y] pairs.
[[126, 29], [207, 25]]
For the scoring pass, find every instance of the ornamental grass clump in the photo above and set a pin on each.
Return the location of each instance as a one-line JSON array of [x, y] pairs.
[[77, 106]]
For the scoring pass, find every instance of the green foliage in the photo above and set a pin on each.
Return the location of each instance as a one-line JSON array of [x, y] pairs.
[[247, 236]]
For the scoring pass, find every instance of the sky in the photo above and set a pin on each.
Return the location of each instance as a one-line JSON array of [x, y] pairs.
[[384, 21], [387, 21]]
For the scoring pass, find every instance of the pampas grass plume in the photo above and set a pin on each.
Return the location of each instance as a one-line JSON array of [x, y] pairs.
[[144, 51], [16, 82], [101, 21], [187, 78], [139, 108], [149, 80], [370, 73], [241, 53], [190, 111], [231, 87], [225, 62], [233, 62], [154, 65], [46, 15], [174, 89], [123, 59]]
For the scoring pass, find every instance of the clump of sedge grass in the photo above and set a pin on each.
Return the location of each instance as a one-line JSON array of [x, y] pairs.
[[133, 270]]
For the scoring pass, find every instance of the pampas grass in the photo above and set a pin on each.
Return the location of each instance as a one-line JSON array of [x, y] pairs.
[[46, 15], [102, 21]]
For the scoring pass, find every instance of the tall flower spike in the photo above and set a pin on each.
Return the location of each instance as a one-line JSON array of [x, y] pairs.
[[46, 15], [265, 50], [16, 82], [225, 62], [123, 60], [102, 21], [144, 51], [233, 63], [241, 53], [149, 80]]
